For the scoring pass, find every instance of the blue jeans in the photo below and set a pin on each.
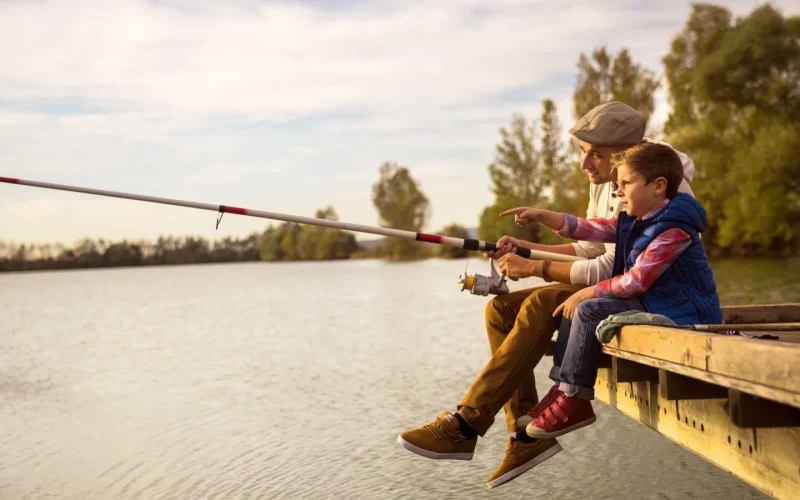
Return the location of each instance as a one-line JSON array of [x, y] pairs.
[[577, 348]]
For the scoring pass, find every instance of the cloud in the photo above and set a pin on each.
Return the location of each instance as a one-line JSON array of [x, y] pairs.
[[292, 105], [283, 61], [228, 174]]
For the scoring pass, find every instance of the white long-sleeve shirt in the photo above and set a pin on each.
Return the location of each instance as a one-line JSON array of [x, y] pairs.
[[603, 203]]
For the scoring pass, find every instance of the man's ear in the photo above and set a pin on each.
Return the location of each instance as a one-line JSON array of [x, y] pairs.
[[661, 186]]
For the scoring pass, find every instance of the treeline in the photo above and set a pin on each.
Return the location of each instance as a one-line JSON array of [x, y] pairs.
[[88, 253]]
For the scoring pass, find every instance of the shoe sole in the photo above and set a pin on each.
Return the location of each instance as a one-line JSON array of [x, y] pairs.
[[432, 454], [538, 433], [508, 476]]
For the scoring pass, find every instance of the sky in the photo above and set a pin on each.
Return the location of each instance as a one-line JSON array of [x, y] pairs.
[[284, 106]]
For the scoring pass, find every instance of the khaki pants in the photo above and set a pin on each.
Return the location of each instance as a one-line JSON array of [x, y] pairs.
[[520, 325]]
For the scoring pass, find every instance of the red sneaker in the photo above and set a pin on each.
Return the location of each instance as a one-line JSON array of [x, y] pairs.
[[543, 403], [566, 414]]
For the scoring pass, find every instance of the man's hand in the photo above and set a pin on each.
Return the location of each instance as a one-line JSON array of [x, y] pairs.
[[524, 215], [506, 244], [568, 307], [516, 267]]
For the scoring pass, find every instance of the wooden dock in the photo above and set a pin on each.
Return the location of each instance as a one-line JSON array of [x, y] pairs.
[[732, 400]]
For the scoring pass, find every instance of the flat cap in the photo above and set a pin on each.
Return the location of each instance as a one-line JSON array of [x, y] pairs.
[[610, 124]]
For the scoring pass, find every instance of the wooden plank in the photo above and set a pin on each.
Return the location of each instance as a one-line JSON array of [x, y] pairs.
[[628, 371], [750, 412], [771, 393], [673, 386], [668, 344], [762, 313], [768, 459], [768, 363]]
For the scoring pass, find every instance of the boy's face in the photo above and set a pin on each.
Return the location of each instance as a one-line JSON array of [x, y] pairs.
[[638, 196], [596, 161]]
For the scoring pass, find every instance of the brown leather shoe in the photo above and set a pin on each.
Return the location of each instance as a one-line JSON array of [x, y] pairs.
[[440, 439], [521, 457]]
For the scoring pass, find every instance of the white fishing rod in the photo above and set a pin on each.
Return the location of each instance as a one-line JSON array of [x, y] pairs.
[[474, 283]]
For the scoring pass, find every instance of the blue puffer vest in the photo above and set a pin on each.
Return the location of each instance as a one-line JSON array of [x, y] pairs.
[[685, 292]]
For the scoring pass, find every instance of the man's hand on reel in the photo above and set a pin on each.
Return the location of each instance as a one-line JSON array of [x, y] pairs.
[[516, 267]]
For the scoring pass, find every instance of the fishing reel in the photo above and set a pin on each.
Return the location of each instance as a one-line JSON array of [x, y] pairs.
[[478, 284]]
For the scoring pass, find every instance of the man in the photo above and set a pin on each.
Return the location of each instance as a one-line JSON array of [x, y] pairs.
[[520, 324]]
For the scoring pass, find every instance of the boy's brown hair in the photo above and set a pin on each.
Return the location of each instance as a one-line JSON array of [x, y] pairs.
[[651, 161]]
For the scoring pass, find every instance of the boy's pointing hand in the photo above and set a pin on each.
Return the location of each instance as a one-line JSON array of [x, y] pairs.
[[523, 215]]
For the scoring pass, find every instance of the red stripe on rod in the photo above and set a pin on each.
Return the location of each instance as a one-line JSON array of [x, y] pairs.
[[430, 238], [235, 210], [9, 180]]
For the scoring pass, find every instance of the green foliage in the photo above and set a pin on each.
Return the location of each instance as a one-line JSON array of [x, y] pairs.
[[401, 204], [735, 92], [566, 181], [290, 241], [87, 253], [603, 78], [519, 178], [701, 35]]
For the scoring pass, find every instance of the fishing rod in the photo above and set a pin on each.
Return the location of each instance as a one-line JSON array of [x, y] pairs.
[[476, 284], [747, 327]]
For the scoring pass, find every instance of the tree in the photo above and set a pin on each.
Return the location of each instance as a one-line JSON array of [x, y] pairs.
[[291, 241], [735, 95], [554, 161], [518, 179], [702, 34], [566, 189], [401, 204], [603, 78], [326, 243]]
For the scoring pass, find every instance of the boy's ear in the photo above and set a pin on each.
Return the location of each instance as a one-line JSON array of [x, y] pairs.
[[661, 185]]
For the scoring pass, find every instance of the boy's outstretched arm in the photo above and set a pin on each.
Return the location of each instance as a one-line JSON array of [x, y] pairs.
[[569, 226], [529, 215]]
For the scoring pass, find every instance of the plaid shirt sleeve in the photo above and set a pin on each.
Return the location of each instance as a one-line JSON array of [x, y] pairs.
[[649, 265], [597, 230]]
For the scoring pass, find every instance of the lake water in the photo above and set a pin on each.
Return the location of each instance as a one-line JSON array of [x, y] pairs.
[[292, 380]]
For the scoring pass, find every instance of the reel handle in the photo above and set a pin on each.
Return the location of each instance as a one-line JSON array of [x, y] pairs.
[[536, 254], [522, 252]]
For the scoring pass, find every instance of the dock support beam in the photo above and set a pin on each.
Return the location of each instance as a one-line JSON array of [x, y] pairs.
[[756, 450]]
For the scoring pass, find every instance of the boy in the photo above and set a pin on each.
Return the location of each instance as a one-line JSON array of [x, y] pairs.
[[660, 267]]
